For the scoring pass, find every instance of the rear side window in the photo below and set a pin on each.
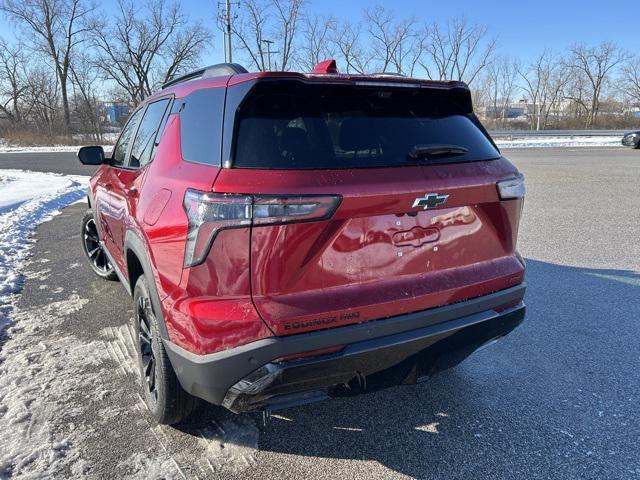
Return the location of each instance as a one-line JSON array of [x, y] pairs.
[[121, 149], [291, 125], [201, 116], [144, 144]]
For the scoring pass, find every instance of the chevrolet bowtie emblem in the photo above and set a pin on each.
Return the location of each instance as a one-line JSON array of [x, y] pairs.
[[430, 200]]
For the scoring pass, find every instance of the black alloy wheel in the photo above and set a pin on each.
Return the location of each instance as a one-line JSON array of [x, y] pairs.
[[94, 250]]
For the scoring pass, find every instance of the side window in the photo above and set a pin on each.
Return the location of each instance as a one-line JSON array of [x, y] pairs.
[[201, 126], [120, 152], [144, 144]]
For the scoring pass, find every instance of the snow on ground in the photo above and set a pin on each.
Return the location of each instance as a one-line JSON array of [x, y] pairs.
[[32, 374], [515, 141], [44, 149], [558, 142], [39, 380], [27, 199], [108, 138], [46, 370]]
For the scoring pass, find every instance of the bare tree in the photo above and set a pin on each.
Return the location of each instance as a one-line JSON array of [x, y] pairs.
[[43, 94], [500, 84], [12, 82], [384, 42], [285, 29], [596, 64], [251, 31], [87, 107], [577, 94], [457, 50], [554, 94], [272, 21], [544, 81], [630, 79], [184, 50], [144, 47], [410, 47], [346, 38], [56, 28], [394, 43], [316, 45]]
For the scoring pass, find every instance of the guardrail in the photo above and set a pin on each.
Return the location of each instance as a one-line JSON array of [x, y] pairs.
[[556, 133]]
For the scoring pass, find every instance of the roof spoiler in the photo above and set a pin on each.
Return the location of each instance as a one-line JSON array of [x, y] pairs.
[[326, 66]]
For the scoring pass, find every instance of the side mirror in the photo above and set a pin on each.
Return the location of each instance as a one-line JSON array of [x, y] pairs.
[[91, 155]]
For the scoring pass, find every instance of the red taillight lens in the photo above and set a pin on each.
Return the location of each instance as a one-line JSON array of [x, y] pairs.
[[272, 210], [208, 213]]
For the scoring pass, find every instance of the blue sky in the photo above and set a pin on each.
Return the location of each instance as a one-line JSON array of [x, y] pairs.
[[523, 28]]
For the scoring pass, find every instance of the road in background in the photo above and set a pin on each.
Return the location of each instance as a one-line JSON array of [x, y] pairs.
[[559, 398], [557, 133], [68, 163], [56, 162]]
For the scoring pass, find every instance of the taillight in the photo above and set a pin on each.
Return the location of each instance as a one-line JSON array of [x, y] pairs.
[[511, 188], [269, 210], [209, 213]]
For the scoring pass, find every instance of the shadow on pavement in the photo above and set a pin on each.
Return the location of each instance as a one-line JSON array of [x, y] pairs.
[[559, 387]]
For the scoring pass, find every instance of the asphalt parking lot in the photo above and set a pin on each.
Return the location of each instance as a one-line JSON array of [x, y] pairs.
[[559, 398]]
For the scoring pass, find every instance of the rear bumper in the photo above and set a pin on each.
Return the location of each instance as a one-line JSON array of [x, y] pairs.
[[378, 354]]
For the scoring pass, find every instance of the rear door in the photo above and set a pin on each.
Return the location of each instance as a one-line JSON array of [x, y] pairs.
[[411, 230], [128, 178], [111, 219]]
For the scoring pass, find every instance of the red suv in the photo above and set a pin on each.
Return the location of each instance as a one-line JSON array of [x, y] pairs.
[[289, 237]]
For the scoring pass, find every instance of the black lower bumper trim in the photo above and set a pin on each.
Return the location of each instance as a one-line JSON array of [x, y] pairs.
[[379, 354]]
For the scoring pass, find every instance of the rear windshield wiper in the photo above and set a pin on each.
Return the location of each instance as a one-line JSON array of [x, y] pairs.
[[433, 150]]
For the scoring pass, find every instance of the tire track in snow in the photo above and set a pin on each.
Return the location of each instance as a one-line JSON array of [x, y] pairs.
[[228, 444]]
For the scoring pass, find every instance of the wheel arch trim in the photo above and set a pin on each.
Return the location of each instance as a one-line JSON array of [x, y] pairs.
[[134, 244]]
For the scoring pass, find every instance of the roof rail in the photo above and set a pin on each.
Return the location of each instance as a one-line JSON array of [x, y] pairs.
[[217, 70], [388, 74]]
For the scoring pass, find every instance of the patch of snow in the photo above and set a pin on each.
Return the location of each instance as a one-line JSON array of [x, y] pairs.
[[142, 466], [558, 142], [40, 377], [18, 188], [26, 200], [5, 147], [45, 149]]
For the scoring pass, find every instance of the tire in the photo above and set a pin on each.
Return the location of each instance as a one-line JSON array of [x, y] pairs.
[[93, 249], [167, 402]]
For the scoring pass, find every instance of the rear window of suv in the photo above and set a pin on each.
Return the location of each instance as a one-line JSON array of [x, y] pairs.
[[293, 125]]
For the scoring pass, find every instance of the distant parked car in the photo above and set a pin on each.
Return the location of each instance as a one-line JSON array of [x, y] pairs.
[[631, 139]]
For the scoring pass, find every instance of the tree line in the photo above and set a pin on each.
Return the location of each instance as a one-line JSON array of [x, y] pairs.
[[584, 86], [71, 55]]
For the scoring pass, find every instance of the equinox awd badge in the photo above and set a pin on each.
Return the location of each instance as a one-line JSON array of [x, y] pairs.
[[430, 200]]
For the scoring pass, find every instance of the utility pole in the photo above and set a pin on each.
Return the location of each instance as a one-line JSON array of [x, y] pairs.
[[227, 21], [269, 52], [227, 17]]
